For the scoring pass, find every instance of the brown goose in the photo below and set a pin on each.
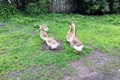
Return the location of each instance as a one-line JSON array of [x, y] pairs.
[[52, 43], [74, 41]]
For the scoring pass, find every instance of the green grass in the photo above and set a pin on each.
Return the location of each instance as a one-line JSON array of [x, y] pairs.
[[21, 46]]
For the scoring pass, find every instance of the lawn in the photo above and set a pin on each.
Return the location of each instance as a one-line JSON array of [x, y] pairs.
[[21, 50]]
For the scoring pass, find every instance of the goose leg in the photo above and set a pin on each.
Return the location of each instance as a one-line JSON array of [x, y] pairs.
[[75, 52]]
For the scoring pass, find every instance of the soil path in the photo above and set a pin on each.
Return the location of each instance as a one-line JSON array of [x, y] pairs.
[[96, 66]]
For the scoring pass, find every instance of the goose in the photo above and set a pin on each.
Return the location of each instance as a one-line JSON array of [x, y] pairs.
[[43, 33], [69, 34], [52, 43], [74, 41]]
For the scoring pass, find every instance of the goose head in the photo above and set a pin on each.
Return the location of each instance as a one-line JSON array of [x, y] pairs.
[[43, 27], [72, 24]]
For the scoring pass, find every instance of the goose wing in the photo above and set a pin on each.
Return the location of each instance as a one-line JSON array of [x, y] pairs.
[[69, 34], [44, 34], [76, 42], [52, 41]]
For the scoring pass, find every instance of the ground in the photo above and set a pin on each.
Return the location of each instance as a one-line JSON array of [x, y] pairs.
[[24, 56], [96, 66]]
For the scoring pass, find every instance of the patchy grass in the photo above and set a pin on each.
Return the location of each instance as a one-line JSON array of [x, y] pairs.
[[21, 46]]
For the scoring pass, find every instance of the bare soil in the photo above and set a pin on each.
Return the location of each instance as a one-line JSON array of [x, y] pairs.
[[15, 74], [49, 70], [2, 24], [96, 66]]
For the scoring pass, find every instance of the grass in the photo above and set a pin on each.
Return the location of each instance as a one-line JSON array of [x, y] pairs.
[[21, 46]]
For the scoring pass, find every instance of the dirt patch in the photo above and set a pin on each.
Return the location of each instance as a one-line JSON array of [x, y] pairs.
[[96, 66], [2, 24], [15, 74], [43, 72], [14, 28], [45, 47], [17, 28], [32, 32]]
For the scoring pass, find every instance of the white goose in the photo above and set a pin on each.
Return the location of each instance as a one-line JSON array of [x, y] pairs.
[[74, 41]]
